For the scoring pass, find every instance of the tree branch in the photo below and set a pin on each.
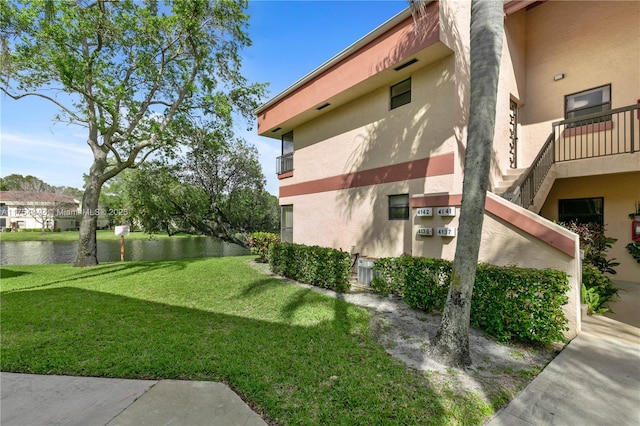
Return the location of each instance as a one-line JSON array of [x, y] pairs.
[[49, 98]]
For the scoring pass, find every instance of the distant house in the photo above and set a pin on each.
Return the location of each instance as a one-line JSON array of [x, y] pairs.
[[21, 210], [373, 140]]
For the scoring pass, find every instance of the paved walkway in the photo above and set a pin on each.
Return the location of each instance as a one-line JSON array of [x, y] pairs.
[[29, 399], [595, 380]]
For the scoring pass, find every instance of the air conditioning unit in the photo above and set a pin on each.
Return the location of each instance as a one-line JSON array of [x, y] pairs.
[[365, 271]]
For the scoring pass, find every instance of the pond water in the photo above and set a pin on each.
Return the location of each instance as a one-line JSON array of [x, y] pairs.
[[45, 252]]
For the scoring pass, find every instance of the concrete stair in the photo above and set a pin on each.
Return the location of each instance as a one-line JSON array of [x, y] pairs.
[[507, 187], [508, 183]]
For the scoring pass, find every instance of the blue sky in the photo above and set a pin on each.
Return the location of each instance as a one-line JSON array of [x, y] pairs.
[[290, 39]]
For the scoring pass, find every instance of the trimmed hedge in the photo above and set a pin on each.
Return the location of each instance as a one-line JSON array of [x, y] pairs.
[[509, 303], [319, 266]]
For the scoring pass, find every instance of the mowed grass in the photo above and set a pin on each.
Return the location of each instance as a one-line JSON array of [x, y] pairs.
[[101, 235], [297, 356]]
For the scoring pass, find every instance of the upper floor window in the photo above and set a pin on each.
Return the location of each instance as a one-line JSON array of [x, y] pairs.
[[285, 161], [399, 207], [588, 102], [287, 143], [401, 93]]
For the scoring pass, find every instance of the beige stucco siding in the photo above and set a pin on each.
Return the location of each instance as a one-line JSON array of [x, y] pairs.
[[621, 192], [365, 134], [356, 219], [592, 43]]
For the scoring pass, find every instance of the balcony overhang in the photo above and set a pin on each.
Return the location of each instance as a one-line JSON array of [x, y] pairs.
[[373, 61]]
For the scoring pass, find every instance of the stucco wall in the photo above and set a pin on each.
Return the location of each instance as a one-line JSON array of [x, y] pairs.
[[510, 87], [365, 134], [621, 192], [592, 43]]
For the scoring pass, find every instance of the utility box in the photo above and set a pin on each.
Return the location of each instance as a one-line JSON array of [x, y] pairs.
[[365, 271]]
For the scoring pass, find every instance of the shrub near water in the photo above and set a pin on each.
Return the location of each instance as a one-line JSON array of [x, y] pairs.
[[509, 303]]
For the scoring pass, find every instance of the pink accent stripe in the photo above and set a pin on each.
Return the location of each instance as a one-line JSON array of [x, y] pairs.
[[509, 215], [530, 226], [432, 166]]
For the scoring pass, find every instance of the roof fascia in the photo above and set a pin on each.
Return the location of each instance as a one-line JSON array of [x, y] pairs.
[[337, 58]]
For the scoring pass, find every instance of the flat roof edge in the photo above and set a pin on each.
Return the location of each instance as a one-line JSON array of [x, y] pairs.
[[375, 33]]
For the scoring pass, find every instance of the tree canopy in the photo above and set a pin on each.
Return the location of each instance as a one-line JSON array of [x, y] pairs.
[[132, 73], [216, 189]]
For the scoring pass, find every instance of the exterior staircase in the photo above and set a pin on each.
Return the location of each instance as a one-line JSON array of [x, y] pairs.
[[584, 138], [507, 186]]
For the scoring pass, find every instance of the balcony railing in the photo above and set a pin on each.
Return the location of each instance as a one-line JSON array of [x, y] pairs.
[[608, 133], [284, 163], [597, 135]]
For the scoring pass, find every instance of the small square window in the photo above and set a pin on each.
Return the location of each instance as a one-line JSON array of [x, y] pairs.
[[401, 93], [399, 207]]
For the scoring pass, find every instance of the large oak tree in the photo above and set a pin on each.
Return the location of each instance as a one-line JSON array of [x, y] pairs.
[[132, 73]]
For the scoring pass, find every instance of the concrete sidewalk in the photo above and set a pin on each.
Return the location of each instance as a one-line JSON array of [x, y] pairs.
[[47, 400], [595, 380]]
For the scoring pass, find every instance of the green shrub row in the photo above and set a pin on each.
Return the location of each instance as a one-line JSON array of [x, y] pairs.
[[260, 242], [319, 266], [509, 303]]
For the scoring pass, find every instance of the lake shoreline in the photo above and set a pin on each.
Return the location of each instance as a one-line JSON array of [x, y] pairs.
[[36, 252]]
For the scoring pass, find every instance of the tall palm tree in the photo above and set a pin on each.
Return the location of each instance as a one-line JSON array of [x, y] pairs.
[[451, 343]]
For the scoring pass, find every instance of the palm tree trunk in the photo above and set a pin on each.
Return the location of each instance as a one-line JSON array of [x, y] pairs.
[[451, 344]]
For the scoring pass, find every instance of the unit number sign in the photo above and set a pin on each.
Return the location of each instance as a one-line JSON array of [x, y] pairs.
[[425, 232], [424, 211], [446, 211], [446, 232]]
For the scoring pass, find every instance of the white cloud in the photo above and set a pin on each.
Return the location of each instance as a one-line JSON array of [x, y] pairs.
[[58, 159]]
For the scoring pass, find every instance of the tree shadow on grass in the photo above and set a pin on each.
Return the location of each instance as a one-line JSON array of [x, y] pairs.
[[122, 270], [316, 374], [8, 273]]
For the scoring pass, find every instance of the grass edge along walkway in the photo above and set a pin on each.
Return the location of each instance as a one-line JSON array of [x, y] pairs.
[[297, 356]]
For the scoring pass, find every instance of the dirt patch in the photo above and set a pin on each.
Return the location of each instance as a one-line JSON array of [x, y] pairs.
[[498, 370]]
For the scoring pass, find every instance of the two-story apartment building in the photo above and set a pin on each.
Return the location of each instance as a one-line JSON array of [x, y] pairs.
[[373, 140], [38, 210]]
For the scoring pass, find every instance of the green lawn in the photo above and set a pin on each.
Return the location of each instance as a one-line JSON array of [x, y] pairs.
[[102, 235], [298, 356]]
